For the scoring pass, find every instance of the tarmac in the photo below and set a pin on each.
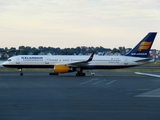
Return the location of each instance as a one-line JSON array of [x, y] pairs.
[[105, 96]]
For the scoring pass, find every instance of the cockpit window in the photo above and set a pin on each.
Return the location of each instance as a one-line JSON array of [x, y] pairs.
[[9, 60]]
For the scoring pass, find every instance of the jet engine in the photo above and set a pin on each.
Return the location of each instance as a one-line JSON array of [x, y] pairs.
[[62, 69]]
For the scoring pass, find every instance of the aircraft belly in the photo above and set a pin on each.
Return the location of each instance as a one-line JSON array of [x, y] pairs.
[[108, 66]]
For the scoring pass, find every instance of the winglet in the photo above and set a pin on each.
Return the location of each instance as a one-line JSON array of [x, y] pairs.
[[143, 47], [91, 57]]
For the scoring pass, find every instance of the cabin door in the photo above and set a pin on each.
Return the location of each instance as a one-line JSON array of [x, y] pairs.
[[18, 60], [126, 61], [47, 61]]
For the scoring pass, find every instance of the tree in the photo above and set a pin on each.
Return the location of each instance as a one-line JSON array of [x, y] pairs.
[[36, 51], [115, 50], [122, 50]]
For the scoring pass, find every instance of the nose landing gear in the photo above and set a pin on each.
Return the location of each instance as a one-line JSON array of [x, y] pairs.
[[20, 72]]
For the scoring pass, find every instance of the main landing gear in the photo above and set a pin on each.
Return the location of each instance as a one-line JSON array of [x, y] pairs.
[[20, 72], [80, 72]]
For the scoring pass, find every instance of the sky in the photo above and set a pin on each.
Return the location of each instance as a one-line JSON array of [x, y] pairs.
[[72, 23]]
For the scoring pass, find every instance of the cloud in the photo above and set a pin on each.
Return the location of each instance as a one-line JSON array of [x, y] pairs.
[[78, 22]]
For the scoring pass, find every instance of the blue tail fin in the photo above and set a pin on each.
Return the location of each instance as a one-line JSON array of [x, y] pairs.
[[143, 47]]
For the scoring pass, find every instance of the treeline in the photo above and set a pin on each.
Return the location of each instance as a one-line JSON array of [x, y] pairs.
[[27, 50]]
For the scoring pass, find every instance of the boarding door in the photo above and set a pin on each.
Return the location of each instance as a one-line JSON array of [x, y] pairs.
[[126, 61], [18, 60], [47, 61]]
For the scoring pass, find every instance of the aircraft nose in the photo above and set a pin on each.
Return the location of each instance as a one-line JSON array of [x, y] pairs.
[[4, 64]]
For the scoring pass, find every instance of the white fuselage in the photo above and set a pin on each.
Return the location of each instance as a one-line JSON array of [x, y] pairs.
[[98, 62]]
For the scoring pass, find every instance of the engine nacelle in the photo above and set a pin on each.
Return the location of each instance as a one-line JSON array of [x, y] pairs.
[[61, 69]]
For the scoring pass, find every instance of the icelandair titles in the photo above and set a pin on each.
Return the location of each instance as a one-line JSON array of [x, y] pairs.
[[32, 58]]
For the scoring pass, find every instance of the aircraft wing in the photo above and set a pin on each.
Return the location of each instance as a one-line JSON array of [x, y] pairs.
[[81, 63], [147, 74]]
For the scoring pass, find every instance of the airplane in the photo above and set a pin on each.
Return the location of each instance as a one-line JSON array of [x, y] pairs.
[[70, 63]]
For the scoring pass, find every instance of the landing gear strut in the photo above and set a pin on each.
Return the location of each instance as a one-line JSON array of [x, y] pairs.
[[20, 72], [80, 72]]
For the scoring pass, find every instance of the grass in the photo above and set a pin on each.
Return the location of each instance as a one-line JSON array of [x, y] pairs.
[[137, 70]]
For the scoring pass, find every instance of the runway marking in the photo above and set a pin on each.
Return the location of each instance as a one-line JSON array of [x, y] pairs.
[[111, 82], [99, 82], [143, 89], [88, 81], [131, 93], [152, 93], [147, 74]]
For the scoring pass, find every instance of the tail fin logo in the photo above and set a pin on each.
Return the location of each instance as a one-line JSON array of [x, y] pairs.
[[144, 46]]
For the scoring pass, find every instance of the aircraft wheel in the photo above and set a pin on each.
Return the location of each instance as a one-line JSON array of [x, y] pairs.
[[21, 74], [80, 74], [77, 74], [53, 73], [83, 74]]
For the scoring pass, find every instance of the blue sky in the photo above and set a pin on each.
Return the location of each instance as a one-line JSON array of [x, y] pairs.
[[72, 23]]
